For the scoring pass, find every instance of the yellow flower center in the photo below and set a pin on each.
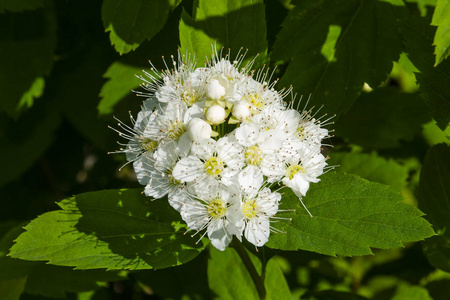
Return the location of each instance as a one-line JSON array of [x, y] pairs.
[[249, 209], [189, 97], [294, 169], [253, 155], [256, 100], [149, 145], [214, 166], [217, 208], [175, 130]]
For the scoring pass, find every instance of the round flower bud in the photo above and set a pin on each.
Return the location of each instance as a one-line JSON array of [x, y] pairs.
[[198, 129], [215, 90], [241, 110], [215, 114]]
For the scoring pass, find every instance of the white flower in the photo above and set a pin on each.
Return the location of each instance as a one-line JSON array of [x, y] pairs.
[[215, 90], [210, 210], [257, 205], [161, 180], [198, 129], [211, 164], [215, 114], [241, 110]]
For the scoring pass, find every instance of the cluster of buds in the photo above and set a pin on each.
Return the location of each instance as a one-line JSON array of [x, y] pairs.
[[221, 143]]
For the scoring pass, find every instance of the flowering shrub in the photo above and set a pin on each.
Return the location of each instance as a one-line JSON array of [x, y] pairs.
[[215, 140]]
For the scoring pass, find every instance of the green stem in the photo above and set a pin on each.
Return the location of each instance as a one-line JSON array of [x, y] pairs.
[[257, 280]]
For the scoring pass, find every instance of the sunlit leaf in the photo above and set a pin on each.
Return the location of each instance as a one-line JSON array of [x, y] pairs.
[[350, 216], [434, 200], [405, 292], [442, 38], [112, 229]]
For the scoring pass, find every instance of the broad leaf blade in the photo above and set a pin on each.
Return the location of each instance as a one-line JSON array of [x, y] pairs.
[[12, 289], [383, 118], [405, 292], [228, 277], [434, 87], [229, 24], [275, 282], [351, 215], [113, 229], [131, 22], [334, 46], [442, 38], [434, 200]]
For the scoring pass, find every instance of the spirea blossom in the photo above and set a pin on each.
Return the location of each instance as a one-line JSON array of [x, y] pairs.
[[221, 143]]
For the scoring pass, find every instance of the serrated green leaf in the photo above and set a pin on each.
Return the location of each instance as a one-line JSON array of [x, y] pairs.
[[121, 74], [434, 88], [441, 19], [131, 22], [331, 295], [27, 43], [112, 229], [12, 289], [363, 50], [405, 292], [351, 215], [227, 276], [367, 125], [229, 24], [121, 79], [371, 167], [47, 280], [434, 200], [434, 135], [18, 6], [275, 282]]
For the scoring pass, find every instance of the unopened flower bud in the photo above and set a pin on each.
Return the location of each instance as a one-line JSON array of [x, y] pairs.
[[215, 90], [241, 110], [198, 129], [215, 114]]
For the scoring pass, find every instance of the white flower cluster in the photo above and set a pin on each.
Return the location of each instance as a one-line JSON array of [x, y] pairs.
[[220, 143]]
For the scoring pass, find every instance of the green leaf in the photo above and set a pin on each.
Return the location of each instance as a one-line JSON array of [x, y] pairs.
[[18, 6], [334, 46], [27, 43], [227, 276], [371, 167], [229, 24], [434, 135], [331, 295], [441, 19], [18, 138], [434, 87], [12, 289], [369, 126], [422, 5], [405, 292], [121, 74], [131, 22], [434, 200], [112, 229], [275, 282], [350, 216]]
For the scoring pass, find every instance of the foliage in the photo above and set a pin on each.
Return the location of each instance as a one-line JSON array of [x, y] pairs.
[[380, 66]]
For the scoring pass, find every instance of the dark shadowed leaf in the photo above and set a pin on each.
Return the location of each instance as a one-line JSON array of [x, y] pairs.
[[351, 215], [12, 289], [331, 295], [334, 46], [131, 22], [18, 6], [112, 229], [435, 90], [434, 200], [371, 167], [27, 42], [383, 118], [275, 282], [229, 24]]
